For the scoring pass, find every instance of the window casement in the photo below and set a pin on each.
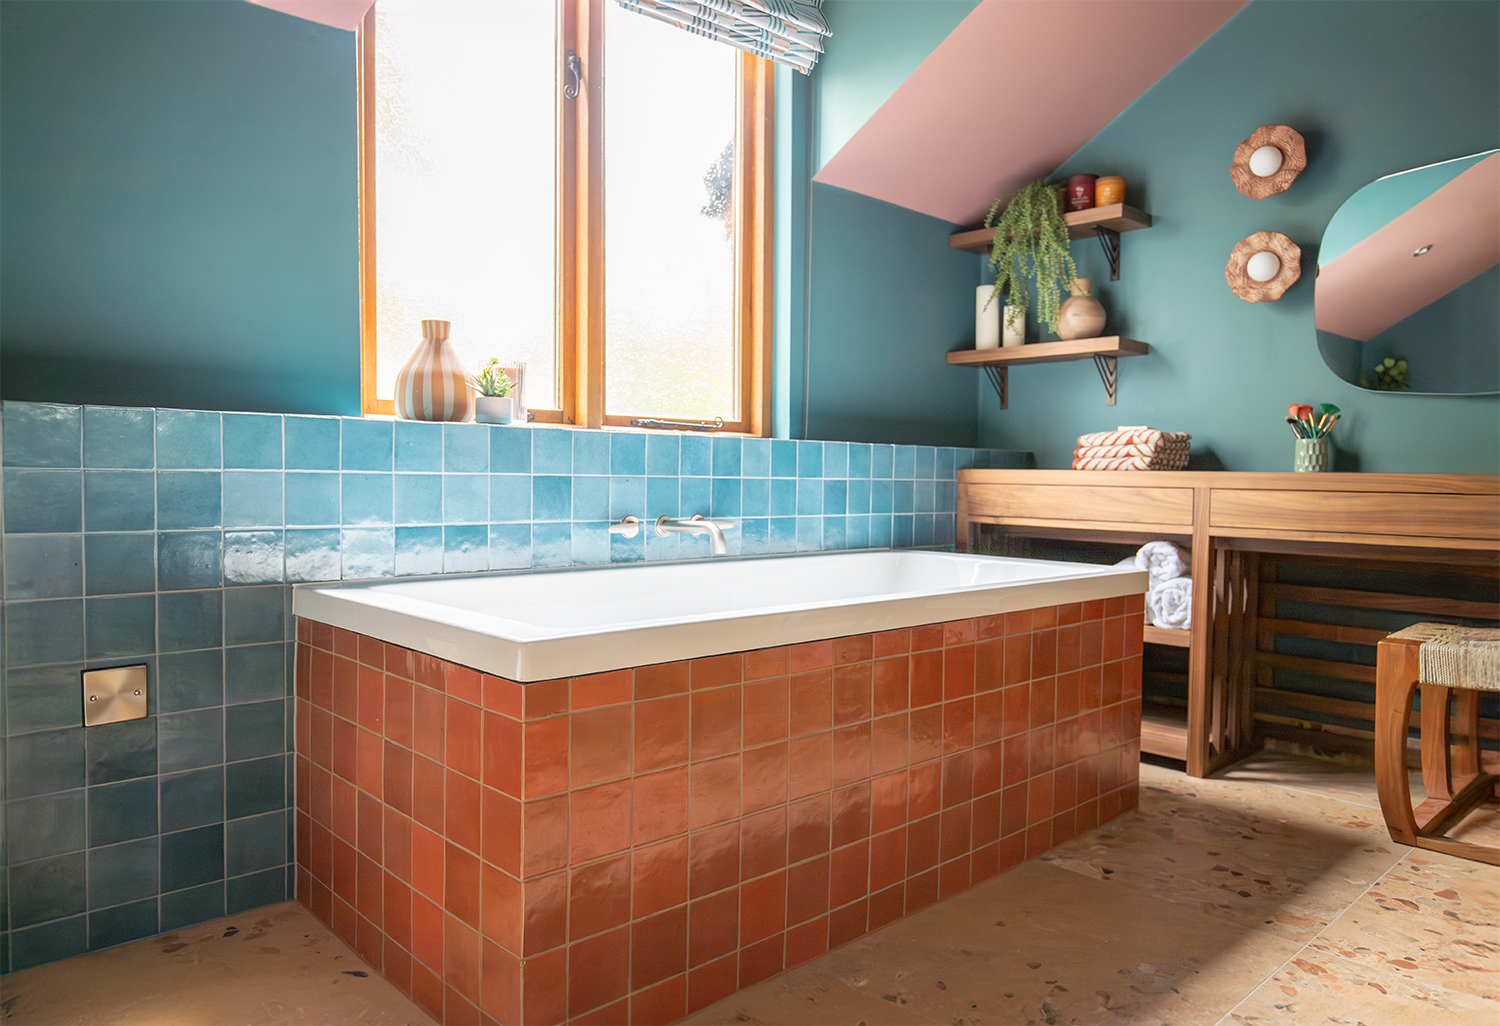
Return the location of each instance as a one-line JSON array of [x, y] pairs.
[[455, 197]]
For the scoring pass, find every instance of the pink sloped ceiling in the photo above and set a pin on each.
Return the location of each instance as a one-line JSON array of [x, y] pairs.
[[344, 14], [950, 140], [1378, 282]]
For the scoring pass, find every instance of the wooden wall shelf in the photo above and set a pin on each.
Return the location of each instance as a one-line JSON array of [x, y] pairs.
[[1167, 636], [1104, 351], [1104, 223]]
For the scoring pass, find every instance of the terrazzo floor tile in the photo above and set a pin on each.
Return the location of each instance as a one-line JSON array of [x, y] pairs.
[[272, 965]]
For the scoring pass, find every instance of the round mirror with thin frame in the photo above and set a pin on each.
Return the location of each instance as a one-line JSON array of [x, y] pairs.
[[1408, 288]]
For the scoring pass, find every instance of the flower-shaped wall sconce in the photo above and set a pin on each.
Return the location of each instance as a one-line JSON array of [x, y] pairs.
[[1269, 161], [1263, 266]]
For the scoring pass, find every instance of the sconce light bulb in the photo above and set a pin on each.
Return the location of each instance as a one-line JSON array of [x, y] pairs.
[[1266, 161], [1263, 266], [1419, 252]]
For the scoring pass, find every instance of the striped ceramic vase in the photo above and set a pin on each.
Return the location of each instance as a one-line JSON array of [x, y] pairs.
[[433, 384]]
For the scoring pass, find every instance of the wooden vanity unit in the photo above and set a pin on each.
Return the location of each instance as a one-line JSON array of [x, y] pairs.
[[1231, 521]]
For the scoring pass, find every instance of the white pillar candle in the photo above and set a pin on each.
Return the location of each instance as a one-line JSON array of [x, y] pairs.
[[986, 319]]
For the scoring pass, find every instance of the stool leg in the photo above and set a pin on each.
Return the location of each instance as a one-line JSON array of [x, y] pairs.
[[1466, 715], [1437, 776], [1395, 681]]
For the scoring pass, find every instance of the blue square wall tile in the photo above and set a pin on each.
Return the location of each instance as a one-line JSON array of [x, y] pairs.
[[882, 496], [188, 440], [510, 450], [254, 731], [754, 536], [809, 534], [903, 496], [122, 812], [122, 923], [50, 942], [809, 497], [833, 533], [419, 550], [186, 499], [190, 680], [192, 905], [755, 497], [880, 531], [922, 533], [48, 889], [311, 443], [367, 552], [192, 857], [552, 498], [856, 532], [859, 496], [661, 548], [663, 453], [924, 496], [119, 437], [313, 555], [662, 494], [192, 799], [627, 550], [590, 452], [726, 457], [466, 548], [551, 544], [901, 531], [312, 500], [784, 497], [47, 825], [188, 620], [253, 615], [725, 501], [627, 498], [254, 673], [590, 498], [44, 697], [551, 450], [466, 498], [905, 462], [510, 546], [882, 461], [254, 890], [189, 559], [782, 537], [466, 449], [119, 500], [367, 499], [755, 457], [252, 441], [510, 497], [783, 458], [120, 564], [255, 843], [696, 456], [366, 444], [809, 459], [42, 566], [43, 501], [947, 497], [121, 751], [254, 557], [694, 496], [859, 460], [590, 544], [253, 787], [835, 459], [835, 497], [627, 455], [419, 447], [418, 498], [43, 435], [924, 462], [252, 498], [43, 632], [943, 464]]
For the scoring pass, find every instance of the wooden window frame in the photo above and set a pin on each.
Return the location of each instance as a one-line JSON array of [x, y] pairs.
[[579, 276]]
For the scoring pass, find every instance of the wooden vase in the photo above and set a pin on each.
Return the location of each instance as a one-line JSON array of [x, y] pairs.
[[1081, 315], [433, 384]]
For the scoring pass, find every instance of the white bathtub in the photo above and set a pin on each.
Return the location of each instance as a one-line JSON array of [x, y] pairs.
[[541, 624]]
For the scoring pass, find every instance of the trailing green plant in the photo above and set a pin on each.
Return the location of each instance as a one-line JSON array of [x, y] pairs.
[[492, 379], [1031, 244]]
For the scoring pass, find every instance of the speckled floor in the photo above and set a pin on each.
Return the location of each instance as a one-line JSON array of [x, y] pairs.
[[1271, 894]]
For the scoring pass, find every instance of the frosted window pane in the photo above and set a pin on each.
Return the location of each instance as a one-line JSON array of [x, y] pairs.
[[669, 101], [465, 175]]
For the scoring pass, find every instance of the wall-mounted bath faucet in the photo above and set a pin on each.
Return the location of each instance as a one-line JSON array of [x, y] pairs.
[[628, 526], [697, 524]]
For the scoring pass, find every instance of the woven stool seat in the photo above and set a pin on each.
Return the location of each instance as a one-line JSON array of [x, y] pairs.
[[1451, 665], [1456, 657]]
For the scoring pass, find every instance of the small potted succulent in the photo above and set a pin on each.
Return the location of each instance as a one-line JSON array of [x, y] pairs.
[[493, 404]]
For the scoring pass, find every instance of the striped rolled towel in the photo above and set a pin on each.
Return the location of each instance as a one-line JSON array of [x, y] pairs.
[[1132, 448]]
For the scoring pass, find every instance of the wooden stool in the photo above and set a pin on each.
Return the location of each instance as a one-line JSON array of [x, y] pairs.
[[1445, 661]]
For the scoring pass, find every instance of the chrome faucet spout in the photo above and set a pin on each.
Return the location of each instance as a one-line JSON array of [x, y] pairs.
[[697, 524]]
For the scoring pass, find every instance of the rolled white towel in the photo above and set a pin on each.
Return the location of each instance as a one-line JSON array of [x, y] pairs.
[[1164, 560], [1170, 603]]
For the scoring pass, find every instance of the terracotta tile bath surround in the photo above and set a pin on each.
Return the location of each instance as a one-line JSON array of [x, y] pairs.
[[633, 846]]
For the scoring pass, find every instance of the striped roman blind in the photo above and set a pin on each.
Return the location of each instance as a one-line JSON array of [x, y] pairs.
[[786, 31]]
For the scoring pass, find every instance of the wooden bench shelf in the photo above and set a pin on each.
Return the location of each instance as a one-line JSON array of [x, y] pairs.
[[1167, 636], [1104, 351]]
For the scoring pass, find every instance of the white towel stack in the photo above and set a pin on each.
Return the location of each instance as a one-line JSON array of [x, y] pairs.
[[1132, 448], [1169, 603]]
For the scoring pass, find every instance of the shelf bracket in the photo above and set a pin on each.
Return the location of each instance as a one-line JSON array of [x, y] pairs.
[[1000, 378], [1109, 373], [1109, 241]]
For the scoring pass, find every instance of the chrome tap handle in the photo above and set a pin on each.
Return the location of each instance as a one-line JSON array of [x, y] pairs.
[[628, 526]]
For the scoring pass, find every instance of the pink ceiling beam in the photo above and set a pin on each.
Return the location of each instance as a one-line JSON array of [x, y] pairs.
[[344, 14], [1378, 281], [943, 146]]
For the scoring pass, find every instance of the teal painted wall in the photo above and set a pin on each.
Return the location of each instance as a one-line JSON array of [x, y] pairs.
[[875, 45], [178, 225], [889, 300], [1375, 88]]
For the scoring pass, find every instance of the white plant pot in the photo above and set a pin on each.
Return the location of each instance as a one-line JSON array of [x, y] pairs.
[[493, 409], [1012, 335]]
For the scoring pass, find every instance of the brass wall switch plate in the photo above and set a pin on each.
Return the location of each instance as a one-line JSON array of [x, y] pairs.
[[118, 693]]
